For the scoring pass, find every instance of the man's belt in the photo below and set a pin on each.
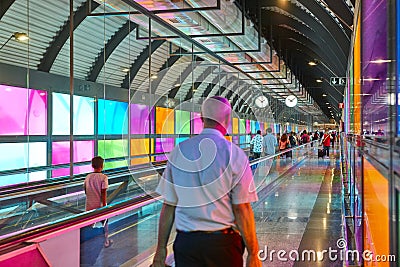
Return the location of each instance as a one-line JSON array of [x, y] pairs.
[[218, 232]]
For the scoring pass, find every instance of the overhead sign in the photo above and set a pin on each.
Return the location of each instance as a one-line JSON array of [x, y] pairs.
[[337, 81]]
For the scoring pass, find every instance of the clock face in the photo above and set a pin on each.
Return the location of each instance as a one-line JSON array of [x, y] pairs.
[[261, 101], [291, 101]]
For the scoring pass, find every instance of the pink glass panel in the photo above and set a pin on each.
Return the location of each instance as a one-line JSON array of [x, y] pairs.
[[197, 123], [22, 111], [83, 151], [248, 126]]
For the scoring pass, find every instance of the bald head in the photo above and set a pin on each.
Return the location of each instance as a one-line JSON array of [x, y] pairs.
[[216, 109]]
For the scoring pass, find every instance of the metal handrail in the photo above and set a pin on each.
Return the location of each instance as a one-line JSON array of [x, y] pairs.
[[256, 161], [42, 232]]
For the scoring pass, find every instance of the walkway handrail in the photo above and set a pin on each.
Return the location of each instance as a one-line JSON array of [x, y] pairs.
[[31, 190], [43, 232], [262, 159]]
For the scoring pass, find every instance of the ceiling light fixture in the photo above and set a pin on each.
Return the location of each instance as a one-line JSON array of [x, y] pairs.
[[323, 95], [18, 36], [319, 81], [380, 61], [313, 63], [154, 76], [21, 36], [371, 79], [125, 69]]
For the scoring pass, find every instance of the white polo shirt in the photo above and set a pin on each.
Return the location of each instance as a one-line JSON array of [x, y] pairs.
[[204, 176]]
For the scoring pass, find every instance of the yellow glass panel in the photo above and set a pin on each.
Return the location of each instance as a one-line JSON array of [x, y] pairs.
[[164, 120], [235, 125], [357, 80], [376, 221], [141, 147]]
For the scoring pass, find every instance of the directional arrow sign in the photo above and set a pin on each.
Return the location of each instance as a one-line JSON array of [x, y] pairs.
[[337, 81]]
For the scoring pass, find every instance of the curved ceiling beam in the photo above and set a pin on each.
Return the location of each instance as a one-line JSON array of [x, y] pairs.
[[63, 34], [230, 93], [233, 82], [141, 59], [208, 71], [167, 64], [303, 57], [284, 33], [316, 92], [210, 87], [342, 10], [317, 69], [109, 48], [340, 42], [4, 6], [318, 38], [185, 73], [329, 22]]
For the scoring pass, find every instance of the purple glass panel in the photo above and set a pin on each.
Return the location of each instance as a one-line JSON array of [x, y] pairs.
[[262, 128], [197, 123], [229, 131], [140, 119], [163, 145], [374, 47], [22, 111], [83, 151], [248, 129], [235, 139]]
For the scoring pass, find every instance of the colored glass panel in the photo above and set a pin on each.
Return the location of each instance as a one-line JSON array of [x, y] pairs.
[[235, 125], [113, 149], [182, 122], [180, 139], [374, 95], [22, 155], [82, 151], [242, 126], [113, 117], [376, 210], [22, 111], [164, 120], [83, 122], [163, 145], [141, 119], [197, 123], [248, 128], [141, 146]]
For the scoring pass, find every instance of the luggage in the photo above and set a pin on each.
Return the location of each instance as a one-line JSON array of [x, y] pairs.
[[320, 153]]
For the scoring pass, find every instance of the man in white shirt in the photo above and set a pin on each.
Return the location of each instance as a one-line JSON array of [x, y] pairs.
[[269, 144], [207, 188]]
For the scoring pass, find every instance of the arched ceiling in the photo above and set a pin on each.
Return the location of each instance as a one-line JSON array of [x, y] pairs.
[[298, 30], [310, 30]]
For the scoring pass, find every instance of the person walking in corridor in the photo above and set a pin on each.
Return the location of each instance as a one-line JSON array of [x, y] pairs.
[[207, 188]]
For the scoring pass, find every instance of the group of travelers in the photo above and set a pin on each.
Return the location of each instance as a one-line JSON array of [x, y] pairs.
[[285, 141]]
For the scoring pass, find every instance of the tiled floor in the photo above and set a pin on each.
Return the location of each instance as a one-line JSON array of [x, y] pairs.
[[302, 214]]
